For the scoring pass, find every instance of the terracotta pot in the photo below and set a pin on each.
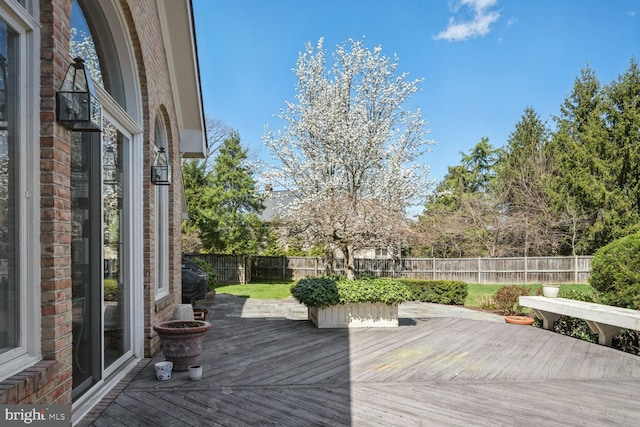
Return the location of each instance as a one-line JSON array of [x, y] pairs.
[[181, 341], [519, 320]]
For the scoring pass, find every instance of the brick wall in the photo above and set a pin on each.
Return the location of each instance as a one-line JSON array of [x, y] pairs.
[[53, 381], [50, 381], [157, 98]]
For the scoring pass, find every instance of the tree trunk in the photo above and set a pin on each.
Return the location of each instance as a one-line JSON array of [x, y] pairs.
[[350, 262]]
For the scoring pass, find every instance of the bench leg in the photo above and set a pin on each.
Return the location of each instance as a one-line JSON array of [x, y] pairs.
[[605, 332], [547, 317]]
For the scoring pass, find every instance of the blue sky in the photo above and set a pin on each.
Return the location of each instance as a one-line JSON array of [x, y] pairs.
[[483, 61]]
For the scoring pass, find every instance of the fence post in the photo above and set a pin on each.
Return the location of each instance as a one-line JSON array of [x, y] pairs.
[[575, 269], [479, 270], [433, 267]]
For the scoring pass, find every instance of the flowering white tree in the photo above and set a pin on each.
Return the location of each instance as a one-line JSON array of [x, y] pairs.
[[349, 150]]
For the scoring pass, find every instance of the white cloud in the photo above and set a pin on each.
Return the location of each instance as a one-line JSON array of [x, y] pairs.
[[476, 27]]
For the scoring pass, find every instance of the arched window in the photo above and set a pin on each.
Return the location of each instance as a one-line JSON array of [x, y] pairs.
[[106, 202]]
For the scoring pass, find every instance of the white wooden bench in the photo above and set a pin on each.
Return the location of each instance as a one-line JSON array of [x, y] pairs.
[[604, 320]]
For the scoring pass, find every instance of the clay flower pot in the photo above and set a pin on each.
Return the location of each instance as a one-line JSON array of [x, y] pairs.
[[519, 320], [181, 341]]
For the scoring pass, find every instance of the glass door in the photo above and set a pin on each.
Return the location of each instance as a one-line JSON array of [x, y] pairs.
[[86, 254], [101, 292], [116, 295]]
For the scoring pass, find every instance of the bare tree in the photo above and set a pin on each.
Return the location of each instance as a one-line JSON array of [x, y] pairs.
[[217, 131]]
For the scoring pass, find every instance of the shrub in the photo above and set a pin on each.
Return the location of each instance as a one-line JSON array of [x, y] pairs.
[[383, 290], [487, 303], [110, 290], [627, 341], [577, 295], [437, 291], [615, 272], [576, 328], [506, 299], [316, 292], [327, 291], [213, 274]]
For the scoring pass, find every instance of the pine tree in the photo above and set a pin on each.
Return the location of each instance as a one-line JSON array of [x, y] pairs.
[[229, 203]]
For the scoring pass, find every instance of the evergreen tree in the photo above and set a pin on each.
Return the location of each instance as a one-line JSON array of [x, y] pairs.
[[460, 218], [596, 158], [623, 121], [229, 221], [521, 184], [196, 178]]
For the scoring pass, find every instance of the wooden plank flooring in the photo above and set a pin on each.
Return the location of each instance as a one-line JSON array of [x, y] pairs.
[[431, 371]]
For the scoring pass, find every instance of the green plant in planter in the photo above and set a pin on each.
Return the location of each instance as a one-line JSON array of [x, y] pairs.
[[323, 292], [317, 292]]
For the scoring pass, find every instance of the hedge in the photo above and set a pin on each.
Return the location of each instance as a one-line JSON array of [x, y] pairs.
[[437, 291]]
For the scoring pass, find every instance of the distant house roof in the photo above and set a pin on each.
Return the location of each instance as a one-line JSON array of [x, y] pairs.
[[275, 201]]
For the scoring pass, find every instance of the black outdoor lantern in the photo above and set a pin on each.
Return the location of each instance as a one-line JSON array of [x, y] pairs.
[[77, 105], [161, 170]]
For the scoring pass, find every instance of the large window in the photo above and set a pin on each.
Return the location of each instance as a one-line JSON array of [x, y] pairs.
[[19, 328], [9, 206], [102, 197]]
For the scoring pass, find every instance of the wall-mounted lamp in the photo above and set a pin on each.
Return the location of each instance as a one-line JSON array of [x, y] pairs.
[[161, 170], [77, 105], [110, 167]]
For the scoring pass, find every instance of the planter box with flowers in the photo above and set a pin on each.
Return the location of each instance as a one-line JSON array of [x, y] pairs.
[[341, 303]]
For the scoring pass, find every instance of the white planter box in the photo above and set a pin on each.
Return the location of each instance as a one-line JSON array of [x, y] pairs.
[[362, 315]]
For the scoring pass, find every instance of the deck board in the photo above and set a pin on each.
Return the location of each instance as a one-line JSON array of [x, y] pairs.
[[452, 371]]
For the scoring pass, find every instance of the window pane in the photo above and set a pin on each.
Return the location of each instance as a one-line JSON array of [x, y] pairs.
[[115, 292], [162, 221], [81, 44], [9, 279]]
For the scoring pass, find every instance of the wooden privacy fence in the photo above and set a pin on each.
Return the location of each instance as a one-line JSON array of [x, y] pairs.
[[229, 268], [517, 270]]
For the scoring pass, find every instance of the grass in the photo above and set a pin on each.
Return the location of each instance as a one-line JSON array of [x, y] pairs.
[[259, 290], [480, 292], [280, 290]]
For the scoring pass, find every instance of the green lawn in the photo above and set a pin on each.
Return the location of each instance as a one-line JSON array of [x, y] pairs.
[[479, 292], [280, 290], [262, 290]]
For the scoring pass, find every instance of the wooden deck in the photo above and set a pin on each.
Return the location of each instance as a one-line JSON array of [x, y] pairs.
[[431, 371]]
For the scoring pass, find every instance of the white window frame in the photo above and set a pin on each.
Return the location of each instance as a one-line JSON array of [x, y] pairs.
[[161, 216], [26, 26]]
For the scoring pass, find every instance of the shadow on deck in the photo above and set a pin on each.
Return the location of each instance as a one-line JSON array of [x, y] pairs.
[[264, 364]]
